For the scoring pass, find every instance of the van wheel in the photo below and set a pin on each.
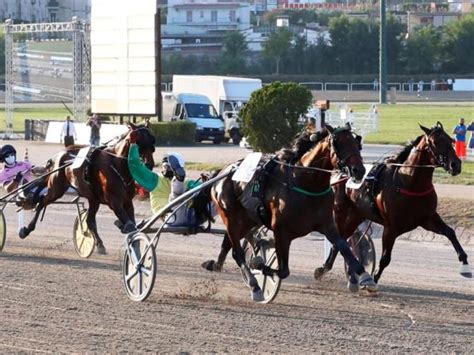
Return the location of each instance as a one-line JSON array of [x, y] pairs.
[[236, 138], [217, 141]]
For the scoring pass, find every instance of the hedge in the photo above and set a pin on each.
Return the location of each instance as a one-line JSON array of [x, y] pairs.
[[173, 133]]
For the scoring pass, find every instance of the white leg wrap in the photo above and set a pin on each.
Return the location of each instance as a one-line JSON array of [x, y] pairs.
[[465, 269]]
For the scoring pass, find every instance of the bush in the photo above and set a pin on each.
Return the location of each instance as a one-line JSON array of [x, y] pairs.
[[171, 133], [270, 119]]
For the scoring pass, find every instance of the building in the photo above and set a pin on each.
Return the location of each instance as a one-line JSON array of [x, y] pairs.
[[37, 11], [463, 6], [198, 26], [436, 19]]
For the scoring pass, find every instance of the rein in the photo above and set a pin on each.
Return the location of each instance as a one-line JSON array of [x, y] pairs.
[[305, 167]]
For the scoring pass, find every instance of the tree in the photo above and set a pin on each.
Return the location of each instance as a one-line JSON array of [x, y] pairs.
[[277, 46], [422, 51], [458, 45], [354, 45], [232, 60], [270, 119]]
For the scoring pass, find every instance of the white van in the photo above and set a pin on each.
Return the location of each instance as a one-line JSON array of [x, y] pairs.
[[197, 109], [227, 94]]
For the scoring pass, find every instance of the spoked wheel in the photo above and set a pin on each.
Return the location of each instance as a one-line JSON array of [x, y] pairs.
[[3, 230], [82, 236], [363, 248], [263, 246], [139, 267]]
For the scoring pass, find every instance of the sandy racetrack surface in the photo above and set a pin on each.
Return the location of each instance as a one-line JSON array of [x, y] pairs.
[[53, 301]]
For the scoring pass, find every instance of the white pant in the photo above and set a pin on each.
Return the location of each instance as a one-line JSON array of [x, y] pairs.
[[181, 215]]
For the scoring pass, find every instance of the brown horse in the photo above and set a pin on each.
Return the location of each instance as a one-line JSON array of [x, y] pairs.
[[298, 198], [402, 197], [104, 179]]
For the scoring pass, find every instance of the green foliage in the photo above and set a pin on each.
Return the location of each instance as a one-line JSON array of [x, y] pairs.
[[277, 46], [422, 51], [172, 133], [232, 60], [352, 49], [270, 119], [354, 45], [458, 45]]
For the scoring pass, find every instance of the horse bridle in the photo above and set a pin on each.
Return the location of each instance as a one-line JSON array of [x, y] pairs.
[[440, 158], [341, 163]]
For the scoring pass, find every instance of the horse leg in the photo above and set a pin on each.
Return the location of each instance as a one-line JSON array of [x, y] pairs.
[[25, 231], [437, 225], [57, 189], [212, 265], [92, 225], [282, 248], [328, 264], [388, 239], [358, 276], [122, 213]]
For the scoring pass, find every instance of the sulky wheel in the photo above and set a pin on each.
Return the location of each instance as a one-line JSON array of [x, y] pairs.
[[83, 238], [363, 248], [139, 267], [263, 246], [3, 230]]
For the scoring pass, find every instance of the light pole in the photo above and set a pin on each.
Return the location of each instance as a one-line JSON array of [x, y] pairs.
[[382, 55]]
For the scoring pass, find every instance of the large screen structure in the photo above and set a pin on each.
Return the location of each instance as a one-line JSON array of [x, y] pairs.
[[123, 66]]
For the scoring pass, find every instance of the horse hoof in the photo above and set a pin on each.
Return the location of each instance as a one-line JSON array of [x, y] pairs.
[[257, 295], [319, 272], [211, 265], [23, 233], [366, 282], [101, 250], [352, 287], [466, 271], [257, 263], [129, 227]]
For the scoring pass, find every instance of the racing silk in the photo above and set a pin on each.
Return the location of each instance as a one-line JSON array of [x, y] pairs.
[[160, 195], [140, 173], [8, 174]]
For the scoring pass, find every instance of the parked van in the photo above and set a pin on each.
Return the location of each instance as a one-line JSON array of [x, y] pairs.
[[197, 109]]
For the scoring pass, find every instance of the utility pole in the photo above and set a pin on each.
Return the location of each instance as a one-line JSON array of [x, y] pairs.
[[158, 100], [383, 55]]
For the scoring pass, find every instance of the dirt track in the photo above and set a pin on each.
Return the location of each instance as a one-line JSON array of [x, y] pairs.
[[52, 301]]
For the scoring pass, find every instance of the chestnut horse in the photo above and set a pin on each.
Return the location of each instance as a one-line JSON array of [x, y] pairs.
[[402, 197], [299, 200], [104, 179]]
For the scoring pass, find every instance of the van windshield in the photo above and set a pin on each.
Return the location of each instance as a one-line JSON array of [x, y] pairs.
[[201, 111]]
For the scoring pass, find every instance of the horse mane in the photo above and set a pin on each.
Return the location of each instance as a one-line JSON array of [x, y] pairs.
[[301, 143], [403, 154]]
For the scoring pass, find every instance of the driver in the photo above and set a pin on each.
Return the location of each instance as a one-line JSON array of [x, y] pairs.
[[165, 186], [15, 173]]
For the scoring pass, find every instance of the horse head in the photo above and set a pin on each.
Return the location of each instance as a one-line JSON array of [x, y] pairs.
[[440, 146], [345, 151], [145, 141]]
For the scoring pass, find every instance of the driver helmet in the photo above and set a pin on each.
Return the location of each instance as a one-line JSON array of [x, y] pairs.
[[8, 155], [173, 165]]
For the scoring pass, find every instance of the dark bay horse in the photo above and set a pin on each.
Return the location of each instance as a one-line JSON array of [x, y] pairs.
[[299, 200], [402, 197], [105, 179]]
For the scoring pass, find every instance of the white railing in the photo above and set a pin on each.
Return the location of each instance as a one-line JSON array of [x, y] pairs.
[[345, 85], [313, 85]]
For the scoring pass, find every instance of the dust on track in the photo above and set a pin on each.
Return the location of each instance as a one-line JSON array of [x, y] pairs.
[[53, 301]]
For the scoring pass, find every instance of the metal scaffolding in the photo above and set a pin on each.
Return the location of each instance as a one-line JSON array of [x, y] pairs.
[[81, 62]]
